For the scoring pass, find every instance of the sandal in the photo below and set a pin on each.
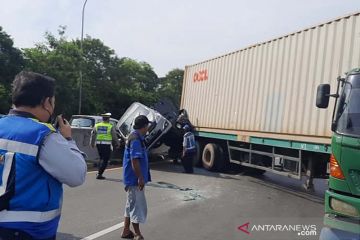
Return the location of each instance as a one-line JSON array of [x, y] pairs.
[[138, 237], [130, 235]]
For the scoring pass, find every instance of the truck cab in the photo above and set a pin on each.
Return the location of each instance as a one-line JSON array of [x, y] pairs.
[[158, 128], [166, 129], [342, 199]]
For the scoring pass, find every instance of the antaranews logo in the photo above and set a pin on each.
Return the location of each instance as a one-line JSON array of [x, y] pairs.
[[299, 229], [245, 228]]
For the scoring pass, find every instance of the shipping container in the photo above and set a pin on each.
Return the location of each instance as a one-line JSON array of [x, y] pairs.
[[256, 106], [269, 89]]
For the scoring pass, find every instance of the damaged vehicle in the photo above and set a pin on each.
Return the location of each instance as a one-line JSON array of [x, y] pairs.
[[164, 138], [165, 130]]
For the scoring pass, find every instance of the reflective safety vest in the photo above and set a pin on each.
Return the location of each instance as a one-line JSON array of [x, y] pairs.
[[30, 198], [103, 131], [189, 142]]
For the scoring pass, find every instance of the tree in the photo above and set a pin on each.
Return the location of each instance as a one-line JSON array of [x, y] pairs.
[[140, 80], [59, 59], [110, 84], [171, 86], [11, 63]]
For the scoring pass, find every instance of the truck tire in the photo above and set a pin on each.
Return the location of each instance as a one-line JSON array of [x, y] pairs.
[[222, 162], [197, 161], [212, 156]]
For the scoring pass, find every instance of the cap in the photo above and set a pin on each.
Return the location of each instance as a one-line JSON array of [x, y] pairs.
[[140, 122], [106, 115], [186, 127]]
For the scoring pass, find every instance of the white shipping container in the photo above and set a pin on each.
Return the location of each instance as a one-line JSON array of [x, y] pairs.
[[269, 89]]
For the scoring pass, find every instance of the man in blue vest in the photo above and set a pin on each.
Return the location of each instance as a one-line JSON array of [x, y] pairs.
[[136, 175], [189, 150], [35, 160]]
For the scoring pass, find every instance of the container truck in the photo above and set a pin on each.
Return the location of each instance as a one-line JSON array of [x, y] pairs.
[[255, 107]]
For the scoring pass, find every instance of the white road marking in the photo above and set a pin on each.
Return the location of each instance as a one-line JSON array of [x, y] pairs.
[[117, 226], [104, 232]]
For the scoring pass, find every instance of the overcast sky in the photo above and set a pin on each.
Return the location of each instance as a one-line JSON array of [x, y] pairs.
[[169, 33]]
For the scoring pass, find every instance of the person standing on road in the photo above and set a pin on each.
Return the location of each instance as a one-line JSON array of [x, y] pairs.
[[35, 160], [104, 136], [189, 149], [135, 176]]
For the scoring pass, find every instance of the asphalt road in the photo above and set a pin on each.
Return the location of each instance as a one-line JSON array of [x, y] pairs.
[[200, 206]]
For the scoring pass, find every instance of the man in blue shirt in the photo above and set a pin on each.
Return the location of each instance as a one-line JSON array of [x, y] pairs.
[[136, 175]]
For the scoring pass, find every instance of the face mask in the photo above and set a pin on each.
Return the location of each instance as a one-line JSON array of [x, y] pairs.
[[51, 116]]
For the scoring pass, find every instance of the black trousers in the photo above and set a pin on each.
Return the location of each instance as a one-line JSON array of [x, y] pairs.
[[104, 153], [187, 162], [11, 234]]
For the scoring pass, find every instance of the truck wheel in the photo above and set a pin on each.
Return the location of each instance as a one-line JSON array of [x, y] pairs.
[[197, 160], [222, 162], [211, 156]]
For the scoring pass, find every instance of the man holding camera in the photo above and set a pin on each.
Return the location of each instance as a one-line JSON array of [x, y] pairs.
[[35, 160]]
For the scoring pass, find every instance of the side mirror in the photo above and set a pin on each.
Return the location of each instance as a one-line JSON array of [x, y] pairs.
[[323, 96]]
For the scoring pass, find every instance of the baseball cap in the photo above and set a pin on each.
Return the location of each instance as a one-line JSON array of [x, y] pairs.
[[186, 127]]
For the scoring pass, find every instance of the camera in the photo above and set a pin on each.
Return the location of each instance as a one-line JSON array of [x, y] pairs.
[[56, 122]]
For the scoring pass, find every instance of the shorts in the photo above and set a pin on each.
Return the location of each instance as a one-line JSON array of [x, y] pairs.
[[136, 207]]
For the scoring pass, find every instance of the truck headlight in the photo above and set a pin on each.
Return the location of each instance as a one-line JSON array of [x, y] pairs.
[[344, 208]]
